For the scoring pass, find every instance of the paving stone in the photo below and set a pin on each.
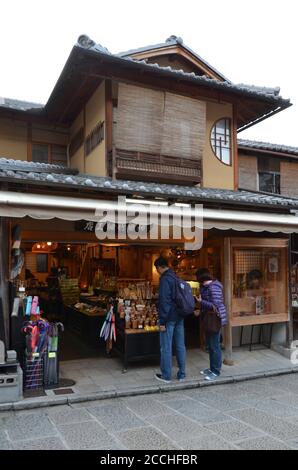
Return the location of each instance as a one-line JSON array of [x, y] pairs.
[[293, 443], [195, 410], [29, 425], [5, 444], [166, 396], [97, 403], [88, 435], [263, 443], [288, 399], [145, 406], [208, 442], [176, 426], [69, 416], [276, 408], [215, 400], [265, 389], [112, 445], [233, 430], [272, 425], [115, 417], [146, 438], [51, 443]]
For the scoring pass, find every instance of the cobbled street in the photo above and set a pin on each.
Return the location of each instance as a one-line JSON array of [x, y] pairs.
[[256, 414]]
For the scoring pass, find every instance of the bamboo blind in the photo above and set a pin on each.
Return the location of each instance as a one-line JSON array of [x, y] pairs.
[[31, 261], [248, 172], [159, 122], [184, 127], [139, 119], [288, 179]]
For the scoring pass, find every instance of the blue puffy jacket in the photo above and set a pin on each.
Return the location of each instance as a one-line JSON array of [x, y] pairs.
[[167, 308], [212, 295]]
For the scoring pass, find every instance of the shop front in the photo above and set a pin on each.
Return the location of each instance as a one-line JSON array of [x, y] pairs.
[[105, 293]]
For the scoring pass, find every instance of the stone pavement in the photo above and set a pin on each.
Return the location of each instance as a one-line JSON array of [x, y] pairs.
[[103, 374], [255, 414], [101, 378]]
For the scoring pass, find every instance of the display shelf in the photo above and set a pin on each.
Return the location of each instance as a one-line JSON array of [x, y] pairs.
[[259, 319], [137, 346]]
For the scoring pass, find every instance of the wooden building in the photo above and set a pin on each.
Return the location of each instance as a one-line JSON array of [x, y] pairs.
[[156, 124]]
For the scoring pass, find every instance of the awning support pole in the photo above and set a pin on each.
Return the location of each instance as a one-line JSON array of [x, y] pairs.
[[290, 324], [228, 360]]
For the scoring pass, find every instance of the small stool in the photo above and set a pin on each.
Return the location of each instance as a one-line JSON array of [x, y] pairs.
[[261, 335]]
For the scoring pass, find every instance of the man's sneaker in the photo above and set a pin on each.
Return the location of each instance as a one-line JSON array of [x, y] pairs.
[[211, 376], [182, 379], [205, 372], [159, 377]]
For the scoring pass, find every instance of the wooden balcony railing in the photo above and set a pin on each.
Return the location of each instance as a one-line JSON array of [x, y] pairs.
[[124, 164]]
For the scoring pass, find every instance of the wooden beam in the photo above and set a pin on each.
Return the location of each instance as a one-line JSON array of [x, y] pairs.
[[182, 52], [29, 141], [228, 302], [85, 134], [4, 276], [290, 324], [253, 151], [66, 108], [108, 121], [235, 148]]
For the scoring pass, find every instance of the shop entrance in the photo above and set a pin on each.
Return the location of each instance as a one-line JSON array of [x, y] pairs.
[[75, 283], [76, 279]]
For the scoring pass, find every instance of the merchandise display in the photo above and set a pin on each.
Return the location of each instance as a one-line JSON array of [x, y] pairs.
[[138, 316], [294, 284], [258, 280], [88, 309], [70, 290], [135, 290]]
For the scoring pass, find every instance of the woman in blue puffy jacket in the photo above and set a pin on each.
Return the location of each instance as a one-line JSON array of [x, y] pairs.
[[211, 301]]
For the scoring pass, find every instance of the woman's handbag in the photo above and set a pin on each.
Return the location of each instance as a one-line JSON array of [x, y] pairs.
[[212, 322]]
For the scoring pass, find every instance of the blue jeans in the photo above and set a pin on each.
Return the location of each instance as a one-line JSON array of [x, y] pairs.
[[174, 330], [213, 343]]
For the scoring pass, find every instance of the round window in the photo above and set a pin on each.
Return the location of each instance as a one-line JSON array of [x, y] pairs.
[[221, 140]]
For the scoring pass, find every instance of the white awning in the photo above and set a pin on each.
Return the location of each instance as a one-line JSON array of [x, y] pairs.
[[18, 205]]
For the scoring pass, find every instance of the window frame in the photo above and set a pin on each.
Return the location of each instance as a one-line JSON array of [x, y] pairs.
[[274, 173], [269, 172], [50, 152], [229, 119]]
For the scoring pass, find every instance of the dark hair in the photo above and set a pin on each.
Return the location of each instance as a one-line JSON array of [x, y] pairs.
[[161, 262], [254, 274], [203, 274]]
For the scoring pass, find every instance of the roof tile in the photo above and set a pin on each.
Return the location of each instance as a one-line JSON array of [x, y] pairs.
[[10, 170]]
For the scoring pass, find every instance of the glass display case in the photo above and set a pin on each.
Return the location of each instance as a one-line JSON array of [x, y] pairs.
[[259, 281]]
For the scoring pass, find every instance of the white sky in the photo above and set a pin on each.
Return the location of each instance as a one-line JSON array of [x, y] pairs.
[[252, 41]]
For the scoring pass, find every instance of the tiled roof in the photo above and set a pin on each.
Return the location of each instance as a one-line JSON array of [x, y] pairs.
[[252, 144], [19, 105], [8, 164], [21, 172], [172, 40], [271, 94]]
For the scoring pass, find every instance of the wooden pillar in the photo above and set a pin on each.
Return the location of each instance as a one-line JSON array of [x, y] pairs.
[[290, 323], [228, 337], [4, 276], [235, 148], [109, 124]]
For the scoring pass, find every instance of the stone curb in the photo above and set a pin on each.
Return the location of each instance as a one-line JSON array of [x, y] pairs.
[[154, 389]]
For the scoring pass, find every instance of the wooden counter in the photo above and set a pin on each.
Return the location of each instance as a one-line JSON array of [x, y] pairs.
[[85, 325], [137, 345]]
